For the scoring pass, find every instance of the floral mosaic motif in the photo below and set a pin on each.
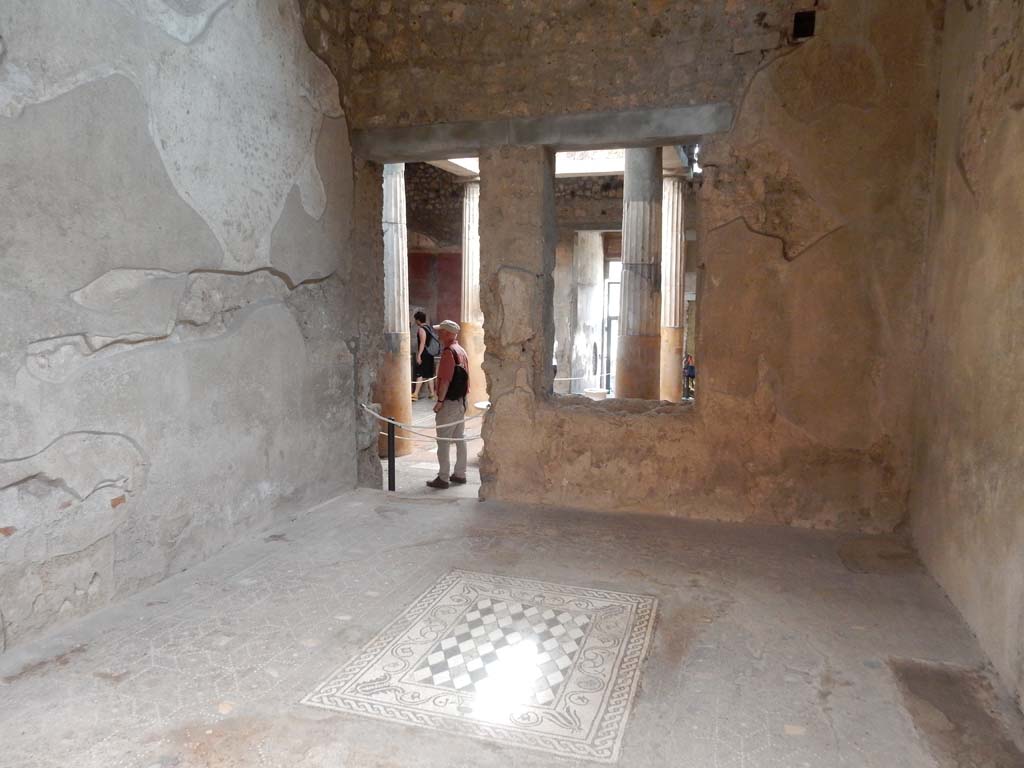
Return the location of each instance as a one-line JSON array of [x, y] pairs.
[[516, 661]]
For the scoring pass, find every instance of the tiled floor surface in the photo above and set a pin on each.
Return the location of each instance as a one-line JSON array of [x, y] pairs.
[[769, 647], [528, 663]]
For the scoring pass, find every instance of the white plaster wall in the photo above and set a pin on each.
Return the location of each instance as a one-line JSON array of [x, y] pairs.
[[175, 366]]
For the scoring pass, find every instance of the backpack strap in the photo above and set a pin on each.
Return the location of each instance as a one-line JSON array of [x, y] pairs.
[[455, 360]]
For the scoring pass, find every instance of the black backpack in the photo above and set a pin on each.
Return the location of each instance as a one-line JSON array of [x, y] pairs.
[[459, 386], [433, 346]]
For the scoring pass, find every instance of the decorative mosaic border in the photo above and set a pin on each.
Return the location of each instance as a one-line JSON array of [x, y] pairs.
[[606, 739]]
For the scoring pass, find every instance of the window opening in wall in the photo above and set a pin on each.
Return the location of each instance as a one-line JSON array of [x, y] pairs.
[[622, 296]]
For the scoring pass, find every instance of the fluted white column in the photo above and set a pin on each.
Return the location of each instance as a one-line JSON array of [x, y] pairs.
[[396, 251], [393, 388], [471, 312], [673, 290], [637, 372], [472, 335]]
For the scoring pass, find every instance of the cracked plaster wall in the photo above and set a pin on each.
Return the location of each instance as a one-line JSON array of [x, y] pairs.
[[967, 503], [812, 219], [177, 345]]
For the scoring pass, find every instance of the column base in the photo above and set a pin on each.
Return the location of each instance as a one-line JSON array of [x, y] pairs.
[[393, 390], [637, 373], [672, 363]]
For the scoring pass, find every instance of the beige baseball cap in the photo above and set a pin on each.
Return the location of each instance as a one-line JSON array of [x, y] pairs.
[[449, 325]]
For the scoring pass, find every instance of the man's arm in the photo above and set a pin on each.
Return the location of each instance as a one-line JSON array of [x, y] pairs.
[[445, 371], [421, 335]]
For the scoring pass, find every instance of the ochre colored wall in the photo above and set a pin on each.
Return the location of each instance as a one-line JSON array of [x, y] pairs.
[[448, 271], [967, 502], [435, 285], [812, 226]]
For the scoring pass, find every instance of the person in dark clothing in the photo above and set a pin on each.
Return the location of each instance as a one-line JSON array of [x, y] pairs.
[[450, 408], [689, 376], [427, 345]]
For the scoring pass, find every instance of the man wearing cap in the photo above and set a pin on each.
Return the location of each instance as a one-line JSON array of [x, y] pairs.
[[450, 408]]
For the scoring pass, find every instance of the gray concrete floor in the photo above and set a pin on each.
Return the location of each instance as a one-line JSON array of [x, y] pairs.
[[772, 647]]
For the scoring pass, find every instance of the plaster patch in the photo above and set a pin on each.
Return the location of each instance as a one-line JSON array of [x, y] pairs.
[[237, 174], [58, 359], [144, 300], [253, 61], [305, 247], [311, 188], [47, 57], [183, 20], [516, 289], [160, 306], [81, 462]]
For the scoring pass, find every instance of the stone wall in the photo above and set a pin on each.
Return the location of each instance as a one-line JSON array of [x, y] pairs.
[[811, 223], [433, 201], [176, 348], [967, 503], [588, 202], [411, 62]]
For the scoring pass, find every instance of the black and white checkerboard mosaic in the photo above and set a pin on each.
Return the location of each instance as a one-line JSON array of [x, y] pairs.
[[484, 641], [522, 662]]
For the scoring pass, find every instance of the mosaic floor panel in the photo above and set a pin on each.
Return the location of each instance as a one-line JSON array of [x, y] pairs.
[[516, 661]]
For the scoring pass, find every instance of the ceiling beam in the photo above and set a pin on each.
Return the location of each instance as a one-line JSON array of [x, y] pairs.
[[593, 130]]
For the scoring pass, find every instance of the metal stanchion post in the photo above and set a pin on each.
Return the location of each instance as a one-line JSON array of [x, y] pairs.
[[391, 456]]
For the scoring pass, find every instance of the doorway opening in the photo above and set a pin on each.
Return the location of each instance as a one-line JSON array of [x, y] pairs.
[[431, 259]]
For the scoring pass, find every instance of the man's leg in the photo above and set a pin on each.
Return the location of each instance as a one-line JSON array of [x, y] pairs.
[[459, 431], [443, 416]]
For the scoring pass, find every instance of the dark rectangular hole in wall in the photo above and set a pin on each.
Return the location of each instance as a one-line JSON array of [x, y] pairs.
[[803, 25]]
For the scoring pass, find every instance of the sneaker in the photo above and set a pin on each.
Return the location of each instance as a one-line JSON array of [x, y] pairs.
[[437, 482], [456, 480]]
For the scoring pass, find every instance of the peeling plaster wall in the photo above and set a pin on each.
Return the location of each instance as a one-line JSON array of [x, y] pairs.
[[176, 349], [812, 220], [967, 503]]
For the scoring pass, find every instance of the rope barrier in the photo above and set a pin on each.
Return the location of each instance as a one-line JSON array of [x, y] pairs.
[[433, 439], [578, 378], [408, 427], [424, 381]]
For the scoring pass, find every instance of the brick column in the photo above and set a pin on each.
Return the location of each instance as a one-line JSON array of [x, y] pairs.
[[517, 254]]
